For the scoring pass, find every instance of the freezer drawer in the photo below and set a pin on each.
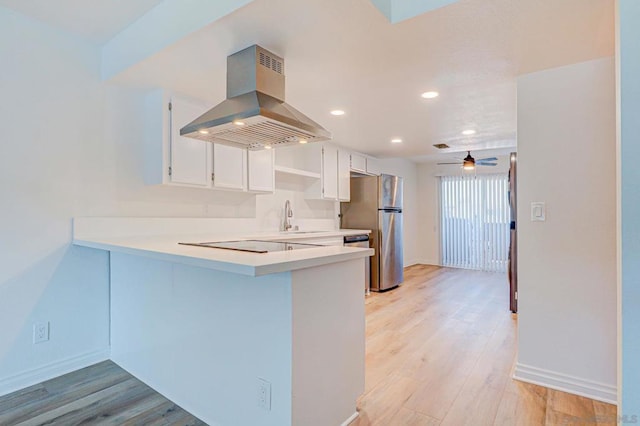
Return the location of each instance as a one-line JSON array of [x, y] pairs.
[[390, 251]]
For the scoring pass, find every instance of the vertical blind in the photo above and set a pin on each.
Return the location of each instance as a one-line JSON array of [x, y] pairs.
[[475, 222]]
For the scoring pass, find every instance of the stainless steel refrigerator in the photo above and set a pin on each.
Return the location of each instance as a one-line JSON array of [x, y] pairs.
[[513, 240], [376, 204]]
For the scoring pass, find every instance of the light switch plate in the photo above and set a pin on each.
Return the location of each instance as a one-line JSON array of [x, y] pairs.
[[538, 211]]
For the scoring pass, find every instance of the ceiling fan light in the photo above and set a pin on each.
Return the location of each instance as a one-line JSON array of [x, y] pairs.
[[469, 163]]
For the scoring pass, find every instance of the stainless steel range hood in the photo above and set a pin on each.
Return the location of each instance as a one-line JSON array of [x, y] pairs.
[[255, 116]]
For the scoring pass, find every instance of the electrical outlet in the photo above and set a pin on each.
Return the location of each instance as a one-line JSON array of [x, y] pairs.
[[40, 332], [264, 394]]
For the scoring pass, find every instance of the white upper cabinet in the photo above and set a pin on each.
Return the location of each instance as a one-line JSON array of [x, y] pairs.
[[358, 163], [229, 167], [190, 158], [261, 171], [373, 166], [362, 164], [329, 172], [344, 175], [171, 159]]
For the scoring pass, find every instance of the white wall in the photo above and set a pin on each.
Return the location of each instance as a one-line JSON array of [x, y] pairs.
[[628, 102], [428, 196], [429, 208], [72, 146], [567, 264], [51, 154]]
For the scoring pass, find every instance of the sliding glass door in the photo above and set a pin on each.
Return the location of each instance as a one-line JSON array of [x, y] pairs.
[[474, 222]]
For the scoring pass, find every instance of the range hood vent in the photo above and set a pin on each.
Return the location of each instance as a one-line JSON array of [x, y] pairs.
[[255, 115]]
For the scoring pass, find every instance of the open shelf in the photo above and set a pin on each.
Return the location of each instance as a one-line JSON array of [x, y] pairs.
[[296, 172]]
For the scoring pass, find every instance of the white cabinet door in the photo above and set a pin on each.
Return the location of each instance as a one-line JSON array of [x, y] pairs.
[[229, 167], [329, 172], [261, 172], [358, 163], [373, 166], [190, 158], [344, 175]]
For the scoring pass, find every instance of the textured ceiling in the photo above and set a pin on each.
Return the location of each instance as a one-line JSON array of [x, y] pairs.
[[347, 55], [399, 10], [95, 20]]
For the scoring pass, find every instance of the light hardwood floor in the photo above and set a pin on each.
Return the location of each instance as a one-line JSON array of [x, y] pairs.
[[440, 351]]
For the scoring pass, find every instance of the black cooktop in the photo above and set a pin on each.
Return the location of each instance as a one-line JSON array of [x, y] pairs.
[[253, 246]]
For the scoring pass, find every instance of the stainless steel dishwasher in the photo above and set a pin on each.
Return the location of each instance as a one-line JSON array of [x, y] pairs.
[[362, 241]]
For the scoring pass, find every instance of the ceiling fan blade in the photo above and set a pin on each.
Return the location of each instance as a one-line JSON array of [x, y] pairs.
[[487, 159], [486, 164], [440, 164]]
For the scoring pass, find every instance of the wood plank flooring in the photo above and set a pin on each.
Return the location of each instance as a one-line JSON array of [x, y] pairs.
[[103, 394], [440, 351]]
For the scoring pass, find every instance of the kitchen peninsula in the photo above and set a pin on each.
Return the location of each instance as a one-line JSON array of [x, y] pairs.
[[241, 338]]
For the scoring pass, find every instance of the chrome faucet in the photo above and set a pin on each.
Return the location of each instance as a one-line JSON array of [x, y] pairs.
[[288, 214]]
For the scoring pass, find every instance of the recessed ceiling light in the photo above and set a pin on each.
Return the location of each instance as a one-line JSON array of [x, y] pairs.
[[267, 147], [203, 132], [337, 112], [396, 140], [238, 123], [303, 141], [430, 95], [468, 132]]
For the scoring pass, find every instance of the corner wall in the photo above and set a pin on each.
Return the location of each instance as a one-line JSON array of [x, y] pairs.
[[429, 208], [52, 155], [567, 264], [628, 103], [72, 146]]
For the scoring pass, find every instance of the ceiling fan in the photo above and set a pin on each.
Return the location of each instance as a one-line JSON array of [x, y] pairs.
[[470, 163]]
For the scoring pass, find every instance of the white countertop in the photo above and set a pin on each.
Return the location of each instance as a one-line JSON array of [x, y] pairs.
[[166, 248]]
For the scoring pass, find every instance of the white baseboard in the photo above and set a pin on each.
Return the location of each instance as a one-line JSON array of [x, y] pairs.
[[428, 262], [350, 419], [50, 371], [566, 383]]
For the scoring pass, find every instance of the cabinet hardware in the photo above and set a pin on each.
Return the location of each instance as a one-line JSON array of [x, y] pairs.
[[170, 106], [170, 170]]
